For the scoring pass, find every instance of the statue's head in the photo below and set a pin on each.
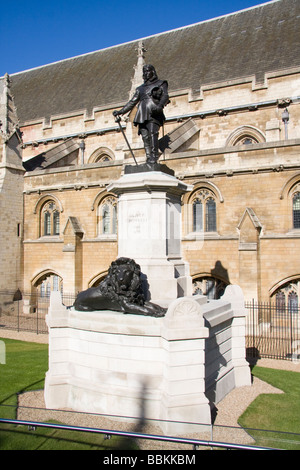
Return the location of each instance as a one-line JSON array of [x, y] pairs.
[[149, 72], [125, 275]]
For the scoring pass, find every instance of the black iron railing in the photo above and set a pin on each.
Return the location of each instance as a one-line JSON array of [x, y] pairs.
[[22, 311], [273, 331]]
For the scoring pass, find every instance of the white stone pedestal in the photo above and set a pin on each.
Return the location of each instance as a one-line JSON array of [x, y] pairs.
[[177, 366], [149, 230], [107, 362]]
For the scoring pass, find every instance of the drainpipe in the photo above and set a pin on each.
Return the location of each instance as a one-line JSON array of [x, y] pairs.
[[285, 118], [82, 148]]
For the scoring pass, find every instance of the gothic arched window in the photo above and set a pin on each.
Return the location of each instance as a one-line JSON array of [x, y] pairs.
[[49, 282], [245, 135], [50, 219], [204, 211], [102, 154], [107, 217], [287, 297]]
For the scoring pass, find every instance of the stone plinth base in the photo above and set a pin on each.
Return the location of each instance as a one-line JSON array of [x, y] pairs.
[[128, 365], [170, 369]]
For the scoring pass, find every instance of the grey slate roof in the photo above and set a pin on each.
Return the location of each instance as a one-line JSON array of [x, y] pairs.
[[251, 42]]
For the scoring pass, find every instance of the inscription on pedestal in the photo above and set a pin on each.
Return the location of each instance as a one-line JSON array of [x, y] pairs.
[[136, 221]]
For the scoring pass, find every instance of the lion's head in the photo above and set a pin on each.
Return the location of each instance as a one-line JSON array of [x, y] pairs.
[[123, 280]]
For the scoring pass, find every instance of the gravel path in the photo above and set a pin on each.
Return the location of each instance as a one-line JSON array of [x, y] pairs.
[[225, 428], [24, 336]]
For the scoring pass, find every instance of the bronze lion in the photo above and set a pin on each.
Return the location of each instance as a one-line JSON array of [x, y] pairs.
[[120, 291]]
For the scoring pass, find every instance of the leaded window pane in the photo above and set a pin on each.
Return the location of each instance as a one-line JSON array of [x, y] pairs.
[[280, 302], [296, 210], [293, 302], [105, 219], [197, 216], [43, 289], [55, 283], [56, 223], [211, 224], [48, 289], [114, 220], [47, 223]]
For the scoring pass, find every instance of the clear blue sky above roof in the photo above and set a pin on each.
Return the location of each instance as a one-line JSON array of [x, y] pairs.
[[35, 33]]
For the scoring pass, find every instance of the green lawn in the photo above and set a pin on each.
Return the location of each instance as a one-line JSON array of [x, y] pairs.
[[277, 412], [24, 369]]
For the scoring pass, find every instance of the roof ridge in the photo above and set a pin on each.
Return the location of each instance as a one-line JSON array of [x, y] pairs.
[[146, 37]]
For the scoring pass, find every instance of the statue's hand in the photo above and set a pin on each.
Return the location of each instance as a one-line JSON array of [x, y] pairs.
[[116, 113]]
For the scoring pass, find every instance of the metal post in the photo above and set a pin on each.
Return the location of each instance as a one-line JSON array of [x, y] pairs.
[[291, 326], [37, 315], [253, 325], [18, 317]]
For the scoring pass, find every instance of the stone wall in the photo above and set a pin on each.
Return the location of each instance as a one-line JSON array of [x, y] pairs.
[[11, 218], [255, 256]]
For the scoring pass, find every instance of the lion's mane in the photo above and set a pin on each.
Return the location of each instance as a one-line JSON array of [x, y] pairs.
[[110, 287]]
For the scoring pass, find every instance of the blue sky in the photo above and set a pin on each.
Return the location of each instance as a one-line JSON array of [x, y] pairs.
[[39, 32]]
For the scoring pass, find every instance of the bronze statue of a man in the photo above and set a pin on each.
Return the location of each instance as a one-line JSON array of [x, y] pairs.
[[151, 98]]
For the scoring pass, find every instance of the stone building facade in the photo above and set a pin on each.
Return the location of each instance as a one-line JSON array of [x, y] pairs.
[[231, 81], [11, 192]]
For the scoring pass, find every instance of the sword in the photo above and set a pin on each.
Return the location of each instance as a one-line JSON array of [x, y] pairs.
[[118, 120]]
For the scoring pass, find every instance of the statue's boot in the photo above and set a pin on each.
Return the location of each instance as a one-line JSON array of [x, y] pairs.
[[148, 153], [147, 143], [150, 139], [153, 147]]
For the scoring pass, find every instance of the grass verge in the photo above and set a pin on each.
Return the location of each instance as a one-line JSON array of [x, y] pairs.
[[277, 412]]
